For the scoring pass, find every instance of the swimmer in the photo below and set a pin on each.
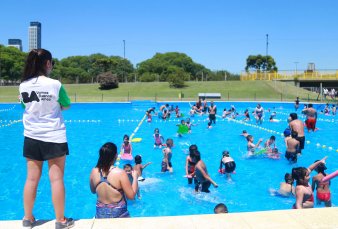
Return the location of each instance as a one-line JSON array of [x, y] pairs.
[[259, 112], [126, 147], [190, 165], [311, 118], [244, 133], [274, 154], [298, 126], [158, 138], [225, 113], [229, 164], [286, 188], [304, 193], [212, 109], [270, 144], [167, 154], [129, 169], [292, 145], [323, 188], [333, 109], [251, 147], [220, 208], [287, 135], [247, 115], [181, 127], [189, 124], [148, 113], [177, 112], [297, 104], [272, 117], [138, 167], [203, 179]]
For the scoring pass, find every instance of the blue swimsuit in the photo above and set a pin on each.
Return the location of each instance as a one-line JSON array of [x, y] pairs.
[[112, 210]]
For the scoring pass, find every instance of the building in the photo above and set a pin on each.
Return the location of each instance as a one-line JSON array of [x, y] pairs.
[[34, 35], [17, 43]]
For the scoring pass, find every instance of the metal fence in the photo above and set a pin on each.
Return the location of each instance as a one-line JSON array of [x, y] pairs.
[[290, 75]]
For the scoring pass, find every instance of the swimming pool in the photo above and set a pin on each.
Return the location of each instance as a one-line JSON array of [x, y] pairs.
[[91, 125]]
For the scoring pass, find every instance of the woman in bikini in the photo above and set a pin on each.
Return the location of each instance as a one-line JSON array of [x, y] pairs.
[[323, 188], [111, 185], [304, 193]]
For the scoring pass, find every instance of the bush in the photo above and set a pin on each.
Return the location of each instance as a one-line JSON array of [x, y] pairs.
[[176, 81], [108, 80]]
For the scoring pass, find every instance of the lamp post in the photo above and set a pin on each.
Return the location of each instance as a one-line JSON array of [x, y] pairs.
[[0, 63], [124, 58], [296, 63], [266, 56]]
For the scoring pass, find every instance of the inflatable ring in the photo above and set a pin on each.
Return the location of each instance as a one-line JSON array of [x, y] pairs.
[[136, 139]]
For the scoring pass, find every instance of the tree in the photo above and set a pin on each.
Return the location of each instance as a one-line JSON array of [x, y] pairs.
[[176, 77], [12, 63], [108, 81], [160, 63], [260, 63]]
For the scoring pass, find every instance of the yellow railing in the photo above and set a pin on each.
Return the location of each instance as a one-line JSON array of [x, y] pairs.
[[290, 75]]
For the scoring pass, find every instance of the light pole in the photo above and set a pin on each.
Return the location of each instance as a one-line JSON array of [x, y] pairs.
[[296, 63], [0, 62], [266, 56]]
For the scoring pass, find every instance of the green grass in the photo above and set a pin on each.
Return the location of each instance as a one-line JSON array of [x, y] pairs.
[[160, 91]]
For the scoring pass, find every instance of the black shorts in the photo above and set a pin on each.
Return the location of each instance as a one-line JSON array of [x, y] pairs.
[[292, 157], [43, 151], [230, 167], [301, 142]]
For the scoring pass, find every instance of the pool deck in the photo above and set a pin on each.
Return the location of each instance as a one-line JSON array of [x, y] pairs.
[[323, 218]]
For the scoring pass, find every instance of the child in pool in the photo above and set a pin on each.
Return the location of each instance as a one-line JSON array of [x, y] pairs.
[[167, 154], [251, 147], [126, 147], [138, 167], [323, 188], [158, 138], [229, 164], [190, 165], [244, 133], [286, 188], [270, 144], [274, 154]]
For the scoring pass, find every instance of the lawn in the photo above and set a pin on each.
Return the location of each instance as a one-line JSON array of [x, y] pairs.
[[160, 91]]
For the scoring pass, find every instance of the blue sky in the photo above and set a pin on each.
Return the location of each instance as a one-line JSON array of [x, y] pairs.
[[217, 34]]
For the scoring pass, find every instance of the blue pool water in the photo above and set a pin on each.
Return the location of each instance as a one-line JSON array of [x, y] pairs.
[[91, 125]]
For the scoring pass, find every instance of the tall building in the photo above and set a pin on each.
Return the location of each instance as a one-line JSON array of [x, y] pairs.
[[34, 35], [17, 43]]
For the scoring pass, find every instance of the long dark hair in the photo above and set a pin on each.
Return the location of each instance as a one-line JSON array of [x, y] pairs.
[[36, 63], [108, 153], [299, 174]]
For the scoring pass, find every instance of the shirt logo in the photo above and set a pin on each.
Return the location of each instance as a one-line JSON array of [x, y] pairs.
[[27, 99]]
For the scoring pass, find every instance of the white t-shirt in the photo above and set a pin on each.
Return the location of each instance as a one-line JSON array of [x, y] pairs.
[[41, 96]]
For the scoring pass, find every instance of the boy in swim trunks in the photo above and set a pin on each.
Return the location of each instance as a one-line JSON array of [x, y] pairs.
[[292, 148], [167, 154]]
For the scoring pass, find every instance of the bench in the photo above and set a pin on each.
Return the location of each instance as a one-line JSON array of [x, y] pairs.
[[209, 95]]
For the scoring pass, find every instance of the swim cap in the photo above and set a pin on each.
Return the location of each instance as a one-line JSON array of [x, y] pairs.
[[287, 132]]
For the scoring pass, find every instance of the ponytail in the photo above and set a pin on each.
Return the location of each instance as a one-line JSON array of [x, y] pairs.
[[36, 63]]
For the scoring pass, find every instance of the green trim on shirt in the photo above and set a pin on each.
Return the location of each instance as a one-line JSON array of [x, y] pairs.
[[22, 104], [64, 100]]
